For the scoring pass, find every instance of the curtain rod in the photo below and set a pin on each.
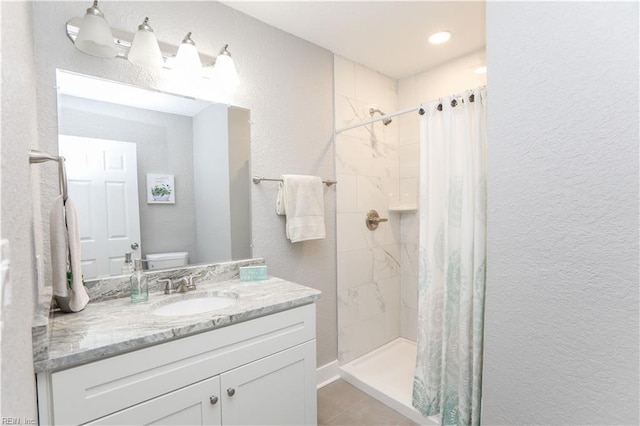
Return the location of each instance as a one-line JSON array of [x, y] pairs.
[[454, 102], [382, 117]]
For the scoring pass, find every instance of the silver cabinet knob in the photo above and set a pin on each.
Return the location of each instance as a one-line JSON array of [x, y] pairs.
[[231, 391], [213, 399], [134, 246]]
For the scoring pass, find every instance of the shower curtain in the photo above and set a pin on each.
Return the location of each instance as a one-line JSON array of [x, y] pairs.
[[452, 258]]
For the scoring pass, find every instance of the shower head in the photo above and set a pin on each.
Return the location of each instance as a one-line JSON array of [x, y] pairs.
[[385, 121]]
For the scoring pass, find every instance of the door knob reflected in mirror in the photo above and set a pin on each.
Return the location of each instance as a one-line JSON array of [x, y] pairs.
[[135, 246]]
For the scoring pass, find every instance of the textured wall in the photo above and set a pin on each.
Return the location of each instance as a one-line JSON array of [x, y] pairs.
[[19, 133], [367, 169], [453, 77], [562, 286], [285, 81]]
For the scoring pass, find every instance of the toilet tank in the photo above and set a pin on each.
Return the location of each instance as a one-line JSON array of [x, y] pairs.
[[167, 260]]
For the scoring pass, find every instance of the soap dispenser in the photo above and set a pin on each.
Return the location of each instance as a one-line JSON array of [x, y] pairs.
[[127, 266], [139, 283]]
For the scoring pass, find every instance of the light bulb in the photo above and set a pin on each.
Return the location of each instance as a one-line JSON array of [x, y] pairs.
[[187, 60], [144, 50], [94, 35], [439, 37], [224, 70]]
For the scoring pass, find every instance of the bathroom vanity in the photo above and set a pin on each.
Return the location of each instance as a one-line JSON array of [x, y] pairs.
[[251, 359], [250, 363]]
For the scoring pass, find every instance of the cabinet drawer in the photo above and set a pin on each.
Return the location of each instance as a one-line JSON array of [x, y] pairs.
[[90, 391]]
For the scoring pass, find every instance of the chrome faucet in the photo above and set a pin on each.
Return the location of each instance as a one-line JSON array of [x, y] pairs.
[[168, 287], [184, 284]]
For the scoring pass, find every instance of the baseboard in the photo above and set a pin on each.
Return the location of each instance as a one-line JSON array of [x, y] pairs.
[[327, 373]]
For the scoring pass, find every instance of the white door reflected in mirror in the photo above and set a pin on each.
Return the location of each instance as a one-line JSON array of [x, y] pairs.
[[103, 183]]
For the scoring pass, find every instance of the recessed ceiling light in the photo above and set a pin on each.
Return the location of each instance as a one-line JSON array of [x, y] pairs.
[[480, 70], [439, 37]]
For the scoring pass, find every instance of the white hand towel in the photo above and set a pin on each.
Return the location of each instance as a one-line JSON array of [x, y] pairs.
[[280, 208], [65, 256], [304, 207]]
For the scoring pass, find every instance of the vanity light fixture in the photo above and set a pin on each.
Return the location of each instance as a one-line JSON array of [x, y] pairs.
[[224, 70], [187, 60], [144, 50], [440, 37], [94, 35]]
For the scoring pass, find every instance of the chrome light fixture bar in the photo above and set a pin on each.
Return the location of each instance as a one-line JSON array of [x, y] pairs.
[[123, 39]]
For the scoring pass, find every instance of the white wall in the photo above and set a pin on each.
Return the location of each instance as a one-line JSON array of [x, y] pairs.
[[450, 78], [286, 82], [367, 172], [561, 323], [19, 133]]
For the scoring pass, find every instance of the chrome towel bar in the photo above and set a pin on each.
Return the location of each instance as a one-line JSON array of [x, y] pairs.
[[258, 179]]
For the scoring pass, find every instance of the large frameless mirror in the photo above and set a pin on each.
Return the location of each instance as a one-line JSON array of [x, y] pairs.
[[159, 175]]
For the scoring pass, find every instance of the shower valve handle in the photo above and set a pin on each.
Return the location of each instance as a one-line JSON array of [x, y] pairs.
[[374, 219], [378, 219]]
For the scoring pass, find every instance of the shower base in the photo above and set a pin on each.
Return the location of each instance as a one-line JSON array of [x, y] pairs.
[[386, 374]]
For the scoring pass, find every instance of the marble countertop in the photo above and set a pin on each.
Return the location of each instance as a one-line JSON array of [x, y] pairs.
[[116, 326]]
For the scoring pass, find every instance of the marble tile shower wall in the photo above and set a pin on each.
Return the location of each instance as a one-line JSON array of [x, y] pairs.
[[367, 163], [409, 149], [377, 166]]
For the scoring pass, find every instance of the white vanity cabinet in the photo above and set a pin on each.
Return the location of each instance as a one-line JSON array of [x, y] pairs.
[[258, 372]]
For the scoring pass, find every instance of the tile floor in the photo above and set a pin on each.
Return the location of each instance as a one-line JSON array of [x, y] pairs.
[[340, 403]]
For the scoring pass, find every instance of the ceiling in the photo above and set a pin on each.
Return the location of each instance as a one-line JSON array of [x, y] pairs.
[[387, 36]]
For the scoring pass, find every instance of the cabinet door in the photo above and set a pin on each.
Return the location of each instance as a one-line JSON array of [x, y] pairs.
[[197, 404], [277, 390]]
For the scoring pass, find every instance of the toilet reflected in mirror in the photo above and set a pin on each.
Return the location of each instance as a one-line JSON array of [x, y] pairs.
[[167, 260]]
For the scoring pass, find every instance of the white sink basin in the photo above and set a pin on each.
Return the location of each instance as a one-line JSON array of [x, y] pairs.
[[194, 306]]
